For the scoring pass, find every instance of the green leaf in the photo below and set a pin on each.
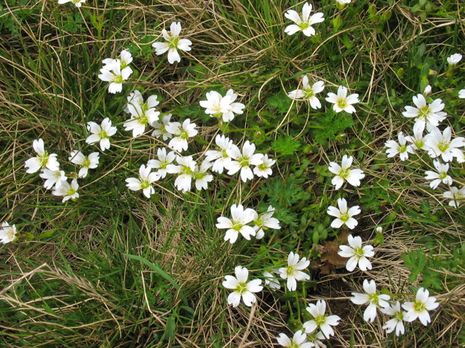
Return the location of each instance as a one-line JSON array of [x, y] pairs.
[[285, 146], [154, 267]]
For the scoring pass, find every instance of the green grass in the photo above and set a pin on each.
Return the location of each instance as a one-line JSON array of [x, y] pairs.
[[114, 269]]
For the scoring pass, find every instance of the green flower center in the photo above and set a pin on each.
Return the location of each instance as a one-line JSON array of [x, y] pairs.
[[71, 192], [186, 170], [163, 164], [118, 79], [236, 226], [320, 320], [424, 111], [419, 143], [309, 93], [402, 148], [184, 135], [342, 103], [399, 316], [103, 134], [224, 154], [86, 163], [344, 217], [304, 25], [258, 222], [199, 175], [144, 184], [43, 159], [344, 173], [443, 147], [244, 161], [241, 287], [143, 120], [419, 306], [262, 166], [442, 175], [290, 270], [173, 42], [359, 252], [374, 298]]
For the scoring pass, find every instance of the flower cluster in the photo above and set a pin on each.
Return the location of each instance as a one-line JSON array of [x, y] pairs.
[[342, 100], [116, 71], [418, 309], [439, 145], [247, 223], [145, 119], [56, 179]]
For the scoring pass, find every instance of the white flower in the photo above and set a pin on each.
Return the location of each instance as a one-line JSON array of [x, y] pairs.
[[397, 322], [344, 173], [454, 59], [160, 127], [263, 168], [185, 170], [440, 144], [144, 181], [52, 177], [77, 3], [343, 2], [222, 107], [398, 148], [308, 92], [342, 101], [417, 140], [173, 43], [320, 320], [116, 71], [243, 160], [299, 340], [427, 91], [163, 163], [372, 298], [241, 287], [315, 340], [264, 222], [42, 160], [271, 281], [357, 254], [201, 175], [142, 115], [343, 214], [7, 233], [238, 224], [86, 162], [420, 307], [293, 271], [101, 133], [221, 157], [303, 23], [67, 191], [440, 175], [427, 114], [462, 94], [455, 195], [181, 133], [135, 97]]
